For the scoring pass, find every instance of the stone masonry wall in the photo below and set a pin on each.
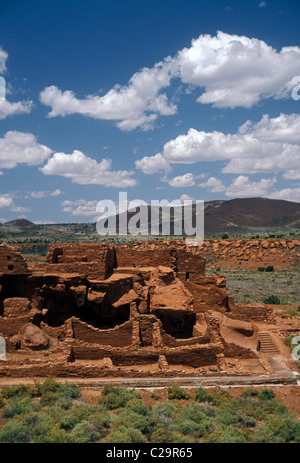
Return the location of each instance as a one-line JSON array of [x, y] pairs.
[[11, 261]]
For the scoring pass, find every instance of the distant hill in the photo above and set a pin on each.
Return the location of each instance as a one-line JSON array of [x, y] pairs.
[[19, 223], [252, 212], [236, 217], [241, 214]]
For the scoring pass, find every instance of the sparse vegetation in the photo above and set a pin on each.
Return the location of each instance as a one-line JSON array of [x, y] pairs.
[[273, 299], [292, 312], [258, 284], [177, 392], [269, 268]]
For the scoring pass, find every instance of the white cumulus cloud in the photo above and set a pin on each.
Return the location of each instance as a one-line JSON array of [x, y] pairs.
[[44, 194], [237, 70], [287, 194], [213, 184], [271, 145], [185, 180], [10, 109], [230, 70], [84, 170], [6, 200], [134, 105], [80, 207], [241, 186], [21, 148]]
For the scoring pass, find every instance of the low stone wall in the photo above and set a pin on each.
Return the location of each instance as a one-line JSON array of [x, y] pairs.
[[252, 312], [120, 336]]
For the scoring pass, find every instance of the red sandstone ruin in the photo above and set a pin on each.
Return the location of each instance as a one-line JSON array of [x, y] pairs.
[[144, 309]]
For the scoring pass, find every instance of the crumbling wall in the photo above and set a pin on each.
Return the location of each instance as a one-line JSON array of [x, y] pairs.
[[93, 260], [11, 261], [189, 266], [131, 257], [120, 336], [252, 312], [15, 307], [12, 326], [187, 262], [209, 293], [92, 270]]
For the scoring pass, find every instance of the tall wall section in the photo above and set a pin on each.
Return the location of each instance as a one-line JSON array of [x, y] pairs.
[[11, 261]]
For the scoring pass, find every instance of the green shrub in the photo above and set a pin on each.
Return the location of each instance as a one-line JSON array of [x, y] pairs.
[[250, 392], [254, 408], [68, 422], [270, 268], [193, 412], [49, 386], [138, 406], [164, 412], [48, 398], [57, 436], [274, 407], [100, 420], [154, 395], [221, 398], [266, 394], [278, 429], [84, 432], [177, 392], [125, 435], [69, 391], [130, 419], [18, 405], [116, 396], [162, 435], [273, 299], [202, 395], [225, 434], [7, 392], [38, 424], [187, 427], [234, 415], [13, 432]]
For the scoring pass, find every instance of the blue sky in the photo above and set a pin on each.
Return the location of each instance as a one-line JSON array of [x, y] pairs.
[[163, 99]]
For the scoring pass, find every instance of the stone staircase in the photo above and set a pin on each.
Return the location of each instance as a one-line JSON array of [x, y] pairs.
[[267, 345]]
